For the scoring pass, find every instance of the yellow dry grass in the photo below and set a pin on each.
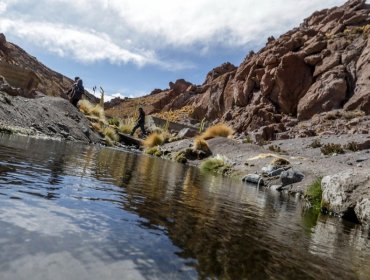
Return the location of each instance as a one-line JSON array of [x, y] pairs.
[[154, 139], [126, 125], [85, 106], [201, 145], [218, 130], [110, 133], [176, 115]]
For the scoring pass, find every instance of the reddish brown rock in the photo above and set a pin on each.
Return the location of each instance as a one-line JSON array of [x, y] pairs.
[[293, 79], [179, 86], [327, 93], [361, 97]]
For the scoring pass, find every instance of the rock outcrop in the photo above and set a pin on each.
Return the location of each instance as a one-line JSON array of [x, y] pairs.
[[320, 66], [21, 70]]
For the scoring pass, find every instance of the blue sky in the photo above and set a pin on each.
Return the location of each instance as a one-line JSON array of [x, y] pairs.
[[130, 47]]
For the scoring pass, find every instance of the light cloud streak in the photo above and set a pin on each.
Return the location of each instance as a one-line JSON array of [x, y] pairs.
[[141, 31]]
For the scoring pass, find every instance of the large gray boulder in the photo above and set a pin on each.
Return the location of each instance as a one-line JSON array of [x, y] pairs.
[[348, 195]]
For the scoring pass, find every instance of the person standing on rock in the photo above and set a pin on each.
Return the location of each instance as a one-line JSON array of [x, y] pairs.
[[76, 91], [140, 122]]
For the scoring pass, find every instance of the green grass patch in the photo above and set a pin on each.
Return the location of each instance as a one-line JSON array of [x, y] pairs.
[[314, 194], [215, 165]]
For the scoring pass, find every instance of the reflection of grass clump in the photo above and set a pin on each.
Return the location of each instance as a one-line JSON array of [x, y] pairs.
[[316, 144], [218, 130], [314, 194], [332, 148], [154, 139], [352, 146], [216, 165]]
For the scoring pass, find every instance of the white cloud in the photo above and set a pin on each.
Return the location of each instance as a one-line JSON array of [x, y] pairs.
[[2, 7], [137, 30]]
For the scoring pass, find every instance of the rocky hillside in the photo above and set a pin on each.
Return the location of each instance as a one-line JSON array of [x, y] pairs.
[[320, 66], [28, 75]]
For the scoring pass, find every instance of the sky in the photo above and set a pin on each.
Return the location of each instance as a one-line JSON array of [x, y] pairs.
[[130, 47]]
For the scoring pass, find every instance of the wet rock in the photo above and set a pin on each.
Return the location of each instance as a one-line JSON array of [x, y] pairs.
[[291, 176], [254, 179]]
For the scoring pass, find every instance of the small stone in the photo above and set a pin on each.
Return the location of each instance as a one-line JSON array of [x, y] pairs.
[[254, 179], [359, 165]]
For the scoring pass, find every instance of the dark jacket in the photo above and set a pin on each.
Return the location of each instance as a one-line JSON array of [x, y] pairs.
[[141, 118], [78, 90]]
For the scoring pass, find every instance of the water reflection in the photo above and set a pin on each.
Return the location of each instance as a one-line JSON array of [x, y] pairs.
[[104, 211]]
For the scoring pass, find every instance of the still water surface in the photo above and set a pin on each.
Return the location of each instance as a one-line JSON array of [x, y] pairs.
[[70, 211]]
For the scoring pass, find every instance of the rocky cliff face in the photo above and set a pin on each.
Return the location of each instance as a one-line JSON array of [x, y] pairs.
[[322, 65]]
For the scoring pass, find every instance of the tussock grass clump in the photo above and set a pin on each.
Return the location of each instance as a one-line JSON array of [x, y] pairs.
[[349, 115], [276, 149], [126, 125], [332, 148], [114, 121], [110, 133], [154, 139], [280, 162], [96, 127], [218, 130], [352, 146], [217, 164], [314, 194], [98, 111], [85, 106], [201, 145], [315, 144]]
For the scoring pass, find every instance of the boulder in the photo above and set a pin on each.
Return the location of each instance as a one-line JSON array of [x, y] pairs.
[[327, 63], [293, 79], [361, 97], [326, 94], [218, 71], [179, 86], [291, 176], [346, 194]]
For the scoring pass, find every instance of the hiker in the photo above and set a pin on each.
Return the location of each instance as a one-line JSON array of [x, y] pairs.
[[140, 122], [76, 91]]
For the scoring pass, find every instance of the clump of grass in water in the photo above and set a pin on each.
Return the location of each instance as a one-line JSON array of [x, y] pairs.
[[217, 164], [314, 194], [218, 130]]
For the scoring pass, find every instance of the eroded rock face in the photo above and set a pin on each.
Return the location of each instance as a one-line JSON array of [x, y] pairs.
[[346, 194], [322, 65], [326, 94]]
